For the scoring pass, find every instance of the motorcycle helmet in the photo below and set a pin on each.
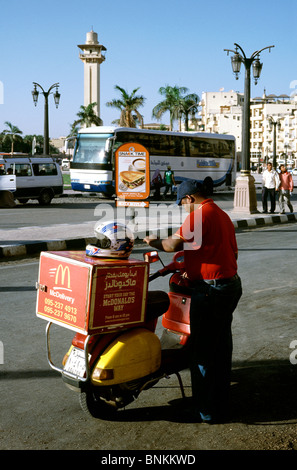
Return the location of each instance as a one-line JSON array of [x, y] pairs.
[[114, 240]]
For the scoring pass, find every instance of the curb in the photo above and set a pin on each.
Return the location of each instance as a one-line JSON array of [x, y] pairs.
[[268, 220], [32, 248]]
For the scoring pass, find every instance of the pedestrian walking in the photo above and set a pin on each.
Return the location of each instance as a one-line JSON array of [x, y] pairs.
[[285, 189], [157, 183], [169, 180], [271, 183], [211, 274]]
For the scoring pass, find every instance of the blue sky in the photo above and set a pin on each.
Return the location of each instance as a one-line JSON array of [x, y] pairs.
[[149, 44]]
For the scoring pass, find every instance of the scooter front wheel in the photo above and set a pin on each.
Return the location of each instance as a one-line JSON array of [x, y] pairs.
[[94, 406]]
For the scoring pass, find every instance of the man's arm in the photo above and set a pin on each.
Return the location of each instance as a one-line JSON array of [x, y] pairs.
[[277, 181], [291, 183], [170, 244]]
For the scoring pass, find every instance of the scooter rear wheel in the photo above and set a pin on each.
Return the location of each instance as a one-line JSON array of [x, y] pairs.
[[95, 406]]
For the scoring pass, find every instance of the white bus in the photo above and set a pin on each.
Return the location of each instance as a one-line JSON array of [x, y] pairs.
[[207, 158]]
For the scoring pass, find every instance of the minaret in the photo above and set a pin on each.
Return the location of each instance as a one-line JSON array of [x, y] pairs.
[[92, 57]]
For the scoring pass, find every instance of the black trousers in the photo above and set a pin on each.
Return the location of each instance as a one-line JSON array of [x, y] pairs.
[[167, 187], [211, 315], [271, 193]]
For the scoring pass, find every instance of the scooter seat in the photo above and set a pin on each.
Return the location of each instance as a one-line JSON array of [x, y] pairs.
[[157, 304]]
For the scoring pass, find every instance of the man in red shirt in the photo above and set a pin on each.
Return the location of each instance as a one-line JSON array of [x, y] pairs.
[[207, 237]]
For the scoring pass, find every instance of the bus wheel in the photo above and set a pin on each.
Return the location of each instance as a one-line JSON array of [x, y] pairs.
[[45, 197], [208, 186]]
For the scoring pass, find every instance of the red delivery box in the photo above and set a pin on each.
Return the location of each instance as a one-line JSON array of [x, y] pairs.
[[91, 295]]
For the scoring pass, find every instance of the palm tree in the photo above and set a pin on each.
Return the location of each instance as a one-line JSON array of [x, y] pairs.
[[87, 116], [176, 103], [189, 105], [171, 103], [73, 131], [128, 104], [13, 133], [71, 137]]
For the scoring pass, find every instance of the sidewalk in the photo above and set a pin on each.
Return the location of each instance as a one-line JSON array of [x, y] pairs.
[[28, 241]]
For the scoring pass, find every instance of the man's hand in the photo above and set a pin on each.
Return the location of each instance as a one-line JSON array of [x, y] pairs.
[[150, 238]]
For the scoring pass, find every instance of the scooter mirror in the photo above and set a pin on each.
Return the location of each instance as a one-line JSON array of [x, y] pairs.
[[179, 260], [151, 256]]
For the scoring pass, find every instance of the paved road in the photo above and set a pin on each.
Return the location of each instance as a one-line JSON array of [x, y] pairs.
[[39, 412], [74, 217]]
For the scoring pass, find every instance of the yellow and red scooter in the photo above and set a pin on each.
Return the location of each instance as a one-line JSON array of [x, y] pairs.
[[111, 367]]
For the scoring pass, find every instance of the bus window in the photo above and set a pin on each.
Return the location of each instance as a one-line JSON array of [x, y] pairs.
[[91, 149], [226, 149], [204, 148], [194, 148], [213, 149], [159, 145], [176, 146], [156, 144], [125, 137]]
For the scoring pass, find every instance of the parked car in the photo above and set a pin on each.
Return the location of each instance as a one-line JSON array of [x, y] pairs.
[[294, 171]]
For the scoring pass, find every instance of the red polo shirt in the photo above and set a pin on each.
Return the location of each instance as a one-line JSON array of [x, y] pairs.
[[210, 247]]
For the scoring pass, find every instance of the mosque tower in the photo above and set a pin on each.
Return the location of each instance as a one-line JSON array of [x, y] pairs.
[[92, 56]]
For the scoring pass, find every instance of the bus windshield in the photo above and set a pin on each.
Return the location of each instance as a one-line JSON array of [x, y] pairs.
[[91, 148]]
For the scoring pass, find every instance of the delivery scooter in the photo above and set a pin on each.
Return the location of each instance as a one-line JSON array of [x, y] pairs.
[[111, 369]]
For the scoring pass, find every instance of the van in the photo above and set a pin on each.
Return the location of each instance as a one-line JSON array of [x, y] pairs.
[[36, 178]]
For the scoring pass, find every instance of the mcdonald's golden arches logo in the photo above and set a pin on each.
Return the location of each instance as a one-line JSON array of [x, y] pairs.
[[63, 274]]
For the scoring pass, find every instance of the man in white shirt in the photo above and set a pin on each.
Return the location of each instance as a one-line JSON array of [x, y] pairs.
[[271, 183]]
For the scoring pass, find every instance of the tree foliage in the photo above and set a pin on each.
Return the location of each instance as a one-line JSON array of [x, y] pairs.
[[128, 104], [12, 134], [176, 102], [87, 116]]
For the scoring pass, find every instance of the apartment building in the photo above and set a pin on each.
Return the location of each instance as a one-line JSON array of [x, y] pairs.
[[222, 113], [280, 110]]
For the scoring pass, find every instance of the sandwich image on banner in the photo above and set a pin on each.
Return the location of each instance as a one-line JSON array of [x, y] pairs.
[[132, 179]]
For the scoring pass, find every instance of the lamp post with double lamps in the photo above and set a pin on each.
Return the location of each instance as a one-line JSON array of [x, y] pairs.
[[46, 94], [273, 124], [245, 193]]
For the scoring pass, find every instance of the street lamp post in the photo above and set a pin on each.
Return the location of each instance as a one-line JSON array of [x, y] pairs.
[[286, 146], [274, 123], [46, 94], [245, 192]]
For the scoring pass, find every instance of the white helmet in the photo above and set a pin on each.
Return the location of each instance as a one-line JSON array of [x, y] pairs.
[[115, 240]]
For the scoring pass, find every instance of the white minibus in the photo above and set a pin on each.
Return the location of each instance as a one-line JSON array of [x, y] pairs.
[[36, 177]]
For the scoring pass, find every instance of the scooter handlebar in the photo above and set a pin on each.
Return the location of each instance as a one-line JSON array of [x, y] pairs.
[[176, 265], [163, 272]]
